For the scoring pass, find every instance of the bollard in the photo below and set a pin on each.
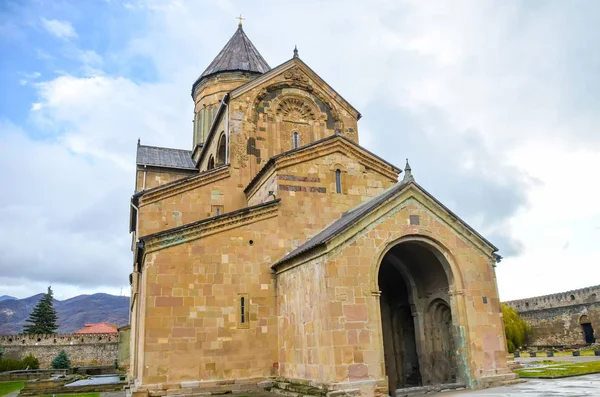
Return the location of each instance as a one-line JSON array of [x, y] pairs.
[[576, 353]]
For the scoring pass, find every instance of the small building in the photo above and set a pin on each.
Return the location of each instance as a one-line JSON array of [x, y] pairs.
[[100, 328]]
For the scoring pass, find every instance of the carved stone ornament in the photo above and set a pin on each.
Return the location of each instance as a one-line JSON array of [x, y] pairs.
[[295, 109], [240, 158], [296, 74]]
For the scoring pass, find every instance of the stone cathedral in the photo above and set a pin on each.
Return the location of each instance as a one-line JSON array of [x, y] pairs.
[[279, 253]]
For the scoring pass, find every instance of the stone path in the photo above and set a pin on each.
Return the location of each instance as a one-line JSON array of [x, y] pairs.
[[577, 386]]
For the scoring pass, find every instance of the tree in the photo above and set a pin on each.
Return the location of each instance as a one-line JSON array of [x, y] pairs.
[[61, 361], [515, 327], [30, 362], [42, 320]]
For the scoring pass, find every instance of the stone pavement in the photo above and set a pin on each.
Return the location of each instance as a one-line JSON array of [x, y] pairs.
[[577, 386]]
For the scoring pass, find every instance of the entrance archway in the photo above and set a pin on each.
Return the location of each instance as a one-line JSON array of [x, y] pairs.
[[588, 330], [416, 316]]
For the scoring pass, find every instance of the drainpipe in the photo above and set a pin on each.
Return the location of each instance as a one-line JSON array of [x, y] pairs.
[[226, 131], [137, 219], [144, 183]]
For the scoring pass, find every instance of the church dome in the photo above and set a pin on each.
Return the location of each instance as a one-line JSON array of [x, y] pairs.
[[238, 55]]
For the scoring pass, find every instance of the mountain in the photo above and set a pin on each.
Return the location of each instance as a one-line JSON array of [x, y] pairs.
[[72, 313], [6, 297]]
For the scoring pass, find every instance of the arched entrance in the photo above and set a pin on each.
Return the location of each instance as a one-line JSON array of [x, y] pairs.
[[588, 330], [416, 316]]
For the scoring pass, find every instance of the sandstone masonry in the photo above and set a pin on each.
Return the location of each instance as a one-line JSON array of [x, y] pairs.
[[279, 248]]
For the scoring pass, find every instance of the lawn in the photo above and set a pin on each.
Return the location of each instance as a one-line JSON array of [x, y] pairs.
[[556, 354], [7, 387], [75, 395], [559, 370]]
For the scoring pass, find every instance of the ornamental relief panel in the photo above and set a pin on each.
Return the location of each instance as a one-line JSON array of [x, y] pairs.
[[238, 150], [295, 109]]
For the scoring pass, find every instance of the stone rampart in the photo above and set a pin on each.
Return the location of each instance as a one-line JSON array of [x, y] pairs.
[[82, 349], [558, 320]]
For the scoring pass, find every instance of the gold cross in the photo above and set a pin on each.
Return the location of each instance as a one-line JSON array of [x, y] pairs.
[[241, 19]]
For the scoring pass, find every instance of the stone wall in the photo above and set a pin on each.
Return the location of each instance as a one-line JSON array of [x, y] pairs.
[[556, 319], [82, 349]]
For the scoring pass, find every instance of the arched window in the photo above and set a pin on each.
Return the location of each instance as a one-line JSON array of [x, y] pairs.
[[295, 140], [338, 181], [221, 149], [211, 163]]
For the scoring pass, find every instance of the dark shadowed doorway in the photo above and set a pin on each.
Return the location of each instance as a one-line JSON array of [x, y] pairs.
[[418, 334], [588, 330]]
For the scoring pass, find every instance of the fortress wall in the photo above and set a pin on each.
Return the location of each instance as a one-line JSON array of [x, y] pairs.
[[556, 319], [82, 349]]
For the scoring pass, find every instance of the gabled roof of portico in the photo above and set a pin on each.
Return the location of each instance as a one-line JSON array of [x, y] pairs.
[[358, 213]]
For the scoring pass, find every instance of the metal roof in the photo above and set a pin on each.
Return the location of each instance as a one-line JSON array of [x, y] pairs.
[[239, 54], [165, 157]]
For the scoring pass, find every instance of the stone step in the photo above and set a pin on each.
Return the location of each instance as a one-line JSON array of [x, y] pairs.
[[426, 390], [283, 392], [303, 390]]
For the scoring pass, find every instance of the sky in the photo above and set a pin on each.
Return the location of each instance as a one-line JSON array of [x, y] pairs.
[[495, 103]]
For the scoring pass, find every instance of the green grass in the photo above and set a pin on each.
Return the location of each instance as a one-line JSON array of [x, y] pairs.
[[556, 354], [74, 395], [560, 370], [8, 387]]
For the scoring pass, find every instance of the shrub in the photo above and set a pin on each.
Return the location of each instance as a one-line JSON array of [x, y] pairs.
[[515, 328], [11, 364], [31, 362], [61, 361]]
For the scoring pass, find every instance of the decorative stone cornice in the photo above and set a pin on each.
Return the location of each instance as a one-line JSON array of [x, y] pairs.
[[344, 147], [315, 150], [183, 185], [296, 72], [193, 231]]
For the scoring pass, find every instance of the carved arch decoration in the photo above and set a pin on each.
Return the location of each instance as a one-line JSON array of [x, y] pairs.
[[295, 108], [266, 95]]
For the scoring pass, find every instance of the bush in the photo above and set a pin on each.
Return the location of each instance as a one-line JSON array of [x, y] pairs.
[[515, 328], [11, 364], [61, 361], [31, 362]]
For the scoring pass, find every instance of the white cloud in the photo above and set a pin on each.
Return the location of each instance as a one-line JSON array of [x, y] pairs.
[[487, 99], [60, 29]]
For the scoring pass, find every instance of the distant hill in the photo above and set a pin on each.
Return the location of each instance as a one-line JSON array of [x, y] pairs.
[[72, 313], [6, 297]]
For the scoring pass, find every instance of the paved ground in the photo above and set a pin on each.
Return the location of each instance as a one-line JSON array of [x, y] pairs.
[[577, 386]]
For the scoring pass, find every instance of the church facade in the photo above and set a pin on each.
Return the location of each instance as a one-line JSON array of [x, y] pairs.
[[278, 252]]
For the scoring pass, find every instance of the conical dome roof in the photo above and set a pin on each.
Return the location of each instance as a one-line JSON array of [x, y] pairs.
[[239, 54]]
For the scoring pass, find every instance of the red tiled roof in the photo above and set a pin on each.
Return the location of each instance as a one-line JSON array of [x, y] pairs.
[[100, 328]]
